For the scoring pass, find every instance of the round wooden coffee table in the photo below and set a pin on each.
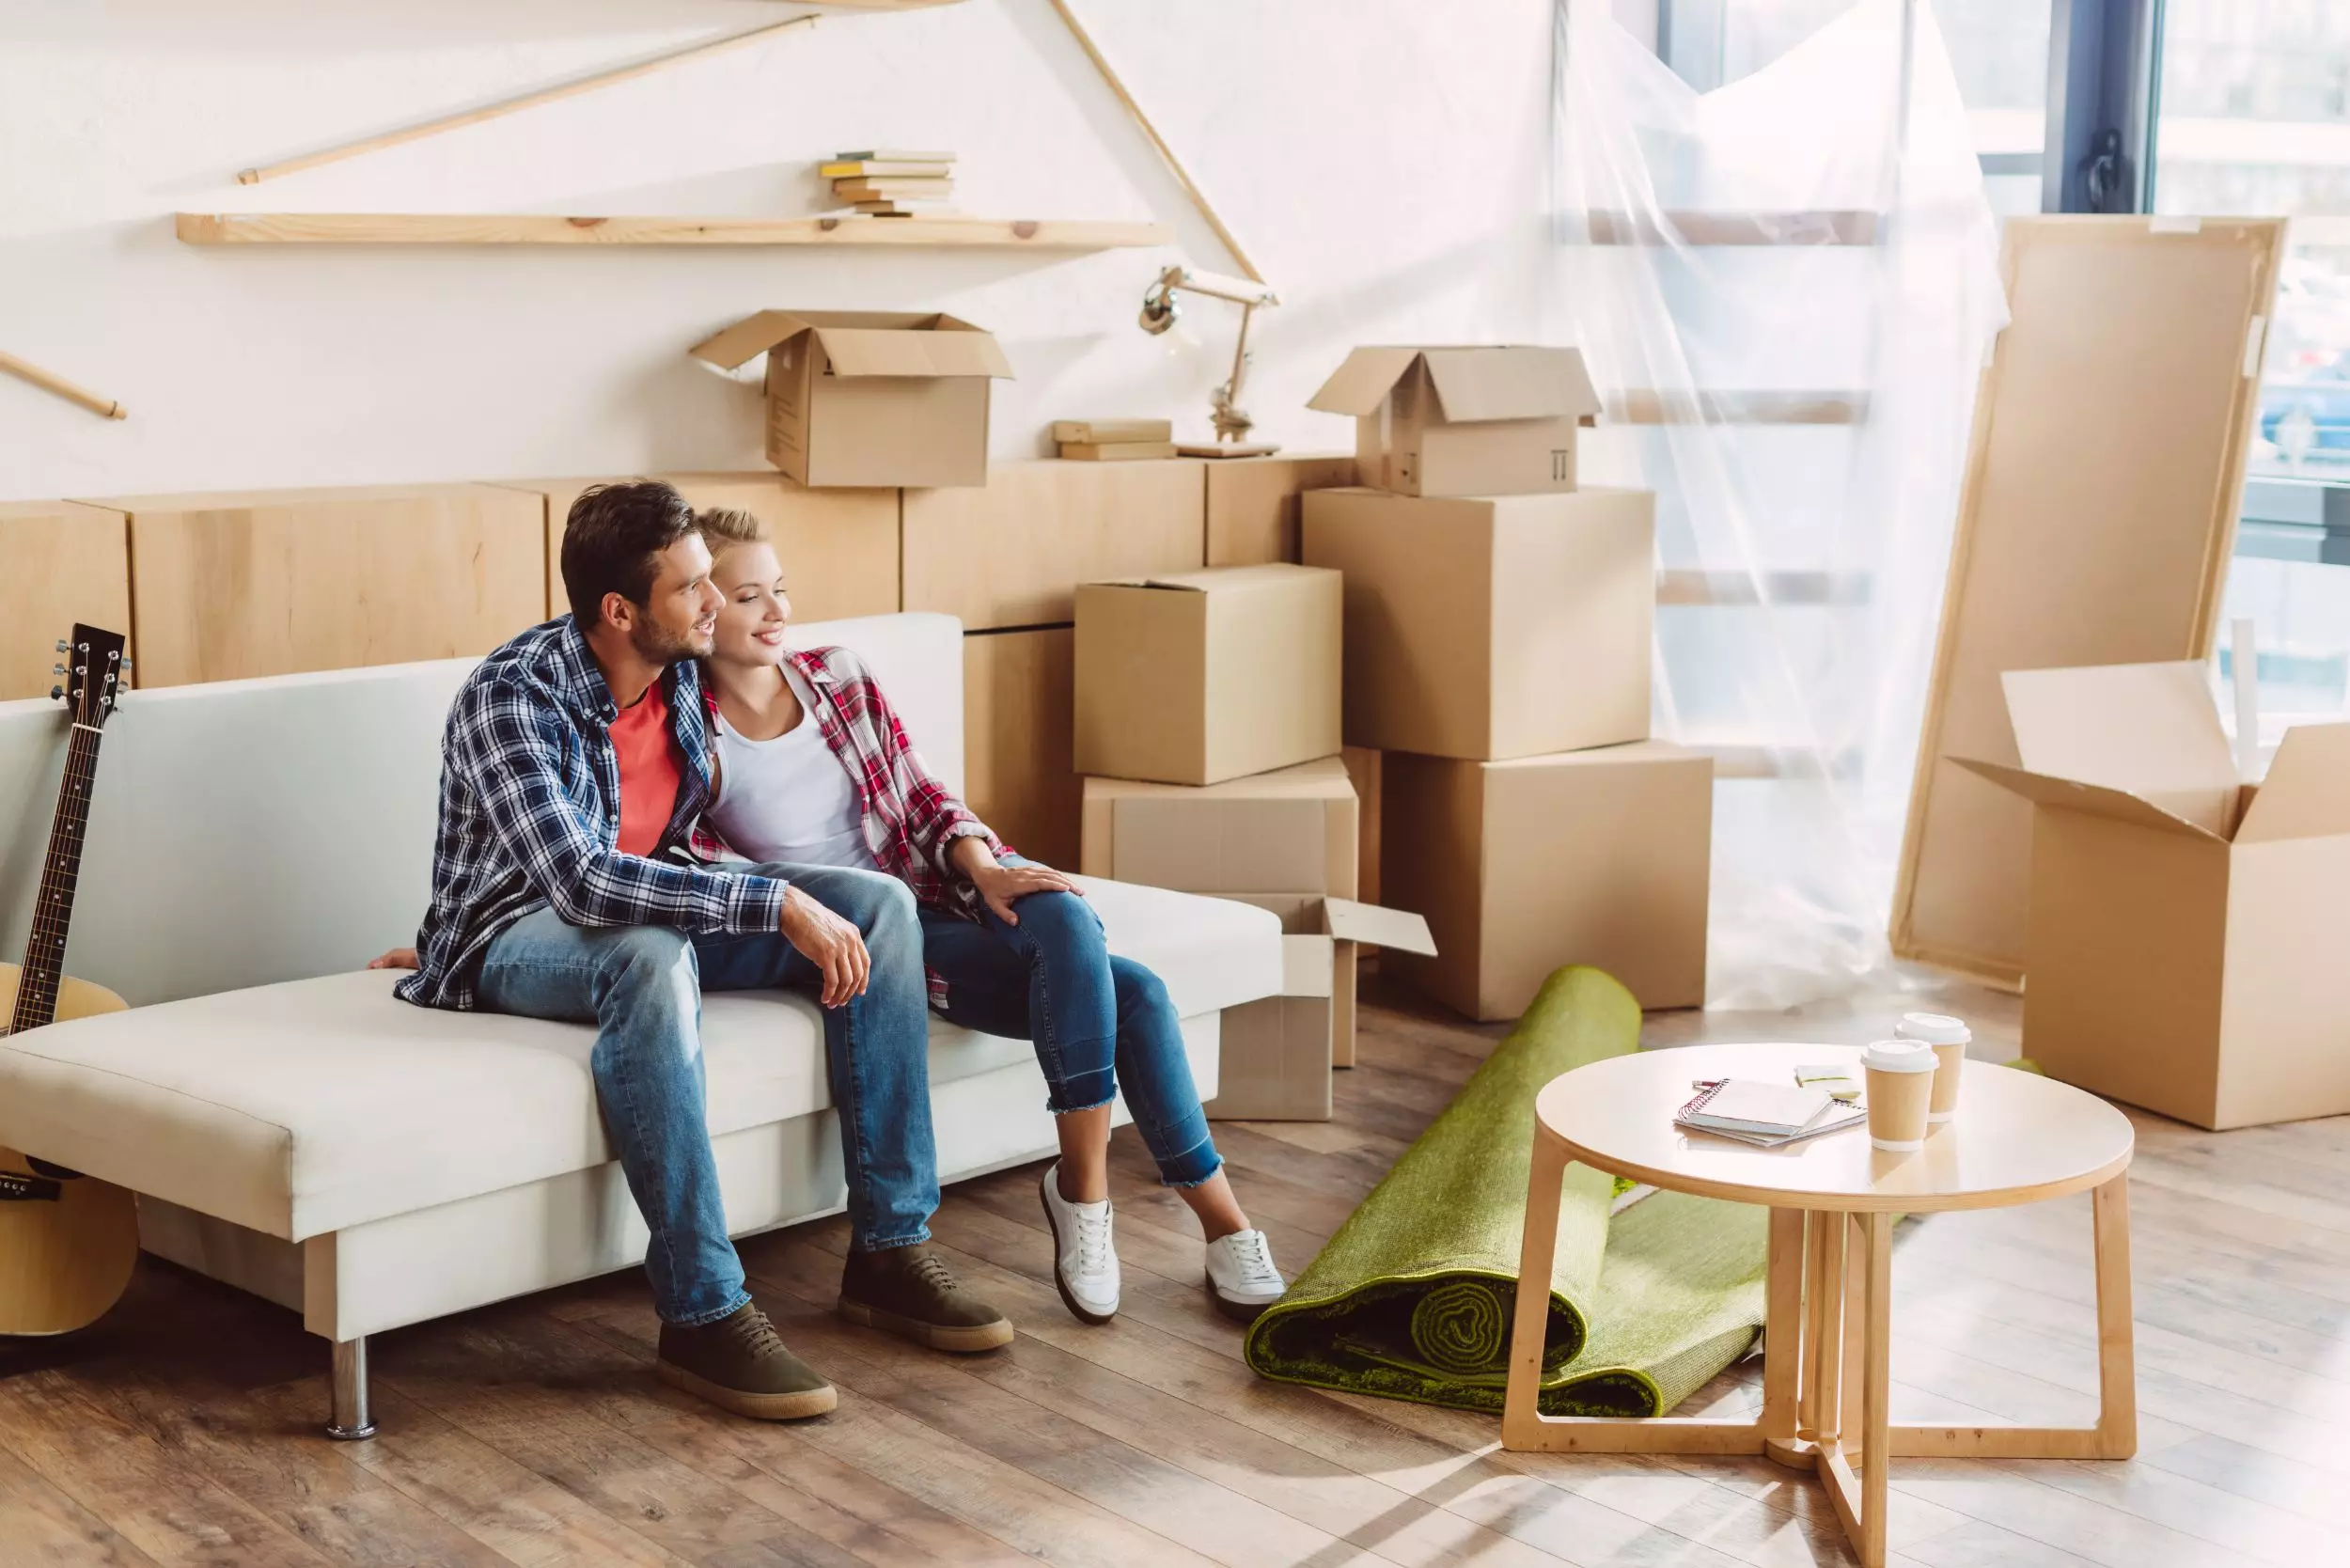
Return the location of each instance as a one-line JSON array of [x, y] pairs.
[[2018, 1138]]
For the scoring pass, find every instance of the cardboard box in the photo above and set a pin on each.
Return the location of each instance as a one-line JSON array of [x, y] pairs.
[[870, 396], [1197, 677], [1016, 724], [1293, 830], [839, 547], [1500, 627], [2184, 952], [1013, 553], [1598, 857], [1278, 1054], [1465, 421], [1253, 514]]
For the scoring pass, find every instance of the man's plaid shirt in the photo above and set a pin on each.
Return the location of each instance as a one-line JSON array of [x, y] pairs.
[[530, 794]]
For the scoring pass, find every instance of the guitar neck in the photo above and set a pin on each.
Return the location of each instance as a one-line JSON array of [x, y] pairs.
[[44, 950]]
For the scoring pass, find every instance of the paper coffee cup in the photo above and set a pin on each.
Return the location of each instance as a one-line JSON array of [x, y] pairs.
[[1949, 1037], [1900, 1074]]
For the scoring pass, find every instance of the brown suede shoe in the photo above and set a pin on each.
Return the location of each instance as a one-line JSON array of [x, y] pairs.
[[909, 1292], [739, 1363]]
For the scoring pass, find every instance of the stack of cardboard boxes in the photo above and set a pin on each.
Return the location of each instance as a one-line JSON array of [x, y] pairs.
[[1207, 710], [1498, 629]]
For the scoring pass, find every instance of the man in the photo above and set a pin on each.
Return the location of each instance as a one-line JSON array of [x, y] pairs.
[[573, 766]]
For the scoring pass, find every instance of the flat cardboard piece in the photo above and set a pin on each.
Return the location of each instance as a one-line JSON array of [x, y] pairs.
[[1369, 926], [870, 397], [2104, 478], [1197, 677], [1494, 627], [2095, 800], [2147, 728], [1599, 857], [2307, 793], [1295, 828]]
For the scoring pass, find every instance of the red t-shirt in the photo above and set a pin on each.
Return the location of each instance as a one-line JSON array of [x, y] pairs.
[[651, 771]]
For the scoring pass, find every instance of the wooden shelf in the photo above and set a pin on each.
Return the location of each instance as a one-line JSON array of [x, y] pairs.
[[550, 228]]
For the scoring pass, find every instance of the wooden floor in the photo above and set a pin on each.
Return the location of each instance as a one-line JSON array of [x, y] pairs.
[[184, 1428]]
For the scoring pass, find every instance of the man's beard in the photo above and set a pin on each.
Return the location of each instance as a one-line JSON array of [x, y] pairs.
[[657, 645]]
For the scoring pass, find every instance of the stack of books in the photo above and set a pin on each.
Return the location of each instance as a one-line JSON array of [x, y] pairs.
[[1114, 440], [1766, 1115], [890, 183]]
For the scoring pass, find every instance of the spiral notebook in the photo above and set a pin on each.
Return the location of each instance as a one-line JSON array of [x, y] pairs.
[[1766, 1115]]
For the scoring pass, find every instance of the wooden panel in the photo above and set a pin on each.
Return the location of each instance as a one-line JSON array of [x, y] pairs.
[[1019, 720], [60, 562], [227, 586], [2103, 482], [839, 547], [1363, 767], [1012, 553], [557, 229], [1252, 504]]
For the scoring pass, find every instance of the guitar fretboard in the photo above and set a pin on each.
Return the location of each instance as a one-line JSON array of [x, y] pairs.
[[44, 950]]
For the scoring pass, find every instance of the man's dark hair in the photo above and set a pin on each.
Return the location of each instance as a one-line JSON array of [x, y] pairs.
[[610, 539]]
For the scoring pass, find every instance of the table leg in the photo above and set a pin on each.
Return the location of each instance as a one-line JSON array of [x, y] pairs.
[[1877, 1394], [1825, 1354], [2116, 1364], [1782, 1328], [1856, 1285]]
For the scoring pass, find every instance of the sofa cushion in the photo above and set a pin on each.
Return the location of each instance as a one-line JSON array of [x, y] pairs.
[[306, 1106]]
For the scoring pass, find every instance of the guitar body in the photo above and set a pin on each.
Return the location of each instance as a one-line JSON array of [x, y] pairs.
[[63, 1262]]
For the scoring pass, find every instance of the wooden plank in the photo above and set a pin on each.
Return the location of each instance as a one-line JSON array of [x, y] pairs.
[[1719, 227], [2103, 481], [1013, 552], [60, 562], [554, 229], [1019, 728], [1252, 503], [56, 386], [839, 547], [228, 587], [46, 1526]]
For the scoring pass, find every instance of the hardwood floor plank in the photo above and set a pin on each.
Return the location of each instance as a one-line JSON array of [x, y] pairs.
[[40, 1523]]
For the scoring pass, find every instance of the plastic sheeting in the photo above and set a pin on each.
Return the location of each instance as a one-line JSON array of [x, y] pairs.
[[1786, 288]]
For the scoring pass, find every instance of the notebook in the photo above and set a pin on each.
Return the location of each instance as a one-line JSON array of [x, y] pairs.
[[1766, 1115]]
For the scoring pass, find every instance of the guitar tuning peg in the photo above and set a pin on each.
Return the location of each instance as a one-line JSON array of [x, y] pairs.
[[61, 644], [56, 669], [56, 693]]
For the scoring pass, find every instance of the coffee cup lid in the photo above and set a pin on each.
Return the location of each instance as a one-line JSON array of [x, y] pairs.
[[1900, 1055], [1934, 1029]]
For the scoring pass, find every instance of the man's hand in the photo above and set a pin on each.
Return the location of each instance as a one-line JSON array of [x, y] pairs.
[[830, 943], [399, 958], [1000, 884]]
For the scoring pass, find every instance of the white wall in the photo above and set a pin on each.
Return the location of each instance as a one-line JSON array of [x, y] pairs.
[[1383, 159]]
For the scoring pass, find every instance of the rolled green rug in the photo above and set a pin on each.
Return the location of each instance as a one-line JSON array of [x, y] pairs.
[[1412, 1298]]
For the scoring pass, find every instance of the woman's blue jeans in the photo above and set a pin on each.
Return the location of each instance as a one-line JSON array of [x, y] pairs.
[[1100, 1025]]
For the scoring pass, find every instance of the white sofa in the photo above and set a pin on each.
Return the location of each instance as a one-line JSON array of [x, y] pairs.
[[294, 1130]]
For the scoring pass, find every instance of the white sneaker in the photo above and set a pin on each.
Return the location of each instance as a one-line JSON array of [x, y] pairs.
[[1085, 1265], [1241, 1276]]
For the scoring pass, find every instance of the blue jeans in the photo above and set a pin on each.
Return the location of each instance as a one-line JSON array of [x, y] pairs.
[[642, 987], [1100, 1023]]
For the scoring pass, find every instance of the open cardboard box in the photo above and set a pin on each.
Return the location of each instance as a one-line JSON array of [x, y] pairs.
[[2184, 951], [1278, 1054], [870, 396], [1490, 420]]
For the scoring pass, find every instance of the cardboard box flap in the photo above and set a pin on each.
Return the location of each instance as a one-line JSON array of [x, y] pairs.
[[746, 340], [2095, 799], [1360, 385], [951, 347], [2307, 793], [1477, 385], [1223, 579], [1374, 927], [2150, 729]]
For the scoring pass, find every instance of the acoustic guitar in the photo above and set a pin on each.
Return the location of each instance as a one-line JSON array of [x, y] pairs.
[[68, 1243]]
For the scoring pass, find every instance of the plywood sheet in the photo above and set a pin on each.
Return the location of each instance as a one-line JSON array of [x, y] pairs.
[[1012, 553], [839, 547], [60, 562], [1252, 504], [2103, 482], [230, 586], [1019, 717]]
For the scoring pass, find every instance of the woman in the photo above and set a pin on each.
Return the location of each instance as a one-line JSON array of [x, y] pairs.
[[814, 768]]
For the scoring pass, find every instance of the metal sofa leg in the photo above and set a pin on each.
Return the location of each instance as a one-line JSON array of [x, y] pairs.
[[351, 1421]]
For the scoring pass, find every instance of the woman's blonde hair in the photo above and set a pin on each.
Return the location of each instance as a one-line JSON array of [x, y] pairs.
[[723, 527]]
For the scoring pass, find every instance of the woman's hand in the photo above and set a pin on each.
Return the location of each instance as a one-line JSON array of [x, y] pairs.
[[1000, 884], [399, 958], [831, 943]]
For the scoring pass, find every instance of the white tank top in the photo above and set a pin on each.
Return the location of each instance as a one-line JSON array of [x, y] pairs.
[[790, 799]]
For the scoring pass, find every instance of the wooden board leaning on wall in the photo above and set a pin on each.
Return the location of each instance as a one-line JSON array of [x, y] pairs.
[[2103, 481], [60, 562]]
